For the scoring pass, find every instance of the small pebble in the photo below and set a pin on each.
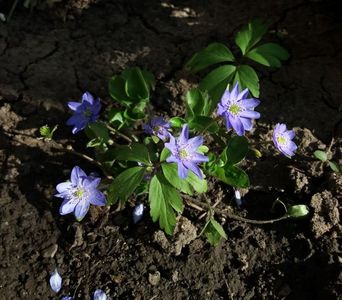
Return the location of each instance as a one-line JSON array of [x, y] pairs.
[[154, 278]]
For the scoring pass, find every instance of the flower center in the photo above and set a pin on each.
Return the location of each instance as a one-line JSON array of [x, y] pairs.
[[183, 154], [87, 112], [234, 109], [281, 140], [79, 193]]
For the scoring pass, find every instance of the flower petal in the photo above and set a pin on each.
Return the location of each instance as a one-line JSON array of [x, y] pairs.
[[74, 105], [237, 125], [182, 171], [221, 109], [194, 168], [251, 114], [243, 94], [198, 158], [97, 198], [99, 295], [184, 136], [76, 175], [75, 119], [81, 209], [172, 159], [195, 142], [249, 103], [87, 97], [55, 281], [67, 206], [290, 134], [64, 186], [228, 124], [235, 92], [91, 182], [247, 123]]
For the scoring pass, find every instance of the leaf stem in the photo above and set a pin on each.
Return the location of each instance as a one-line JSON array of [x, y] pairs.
[[116, 132]]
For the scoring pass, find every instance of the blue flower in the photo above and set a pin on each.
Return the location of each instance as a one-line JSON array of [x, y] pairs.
[[158, 127], [79, 193], [67, 298], [138, 213], [99, 295], [56, 281], [184, 153], [238, 110], [282, 139], [85, 112]]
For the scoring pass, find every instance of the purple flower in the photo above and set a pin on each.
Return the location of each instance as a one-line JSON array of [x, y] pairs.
[[183, 152], [159, 127], [99, 295], [67, 298], [238, 110], [79, 193], [85, 112], [55, 281], [138, 213], [282, 139]]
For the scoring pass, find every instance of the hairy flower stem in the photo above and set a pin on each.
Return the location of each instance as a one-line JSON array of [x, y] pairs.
[[202, 206], [116, 132]]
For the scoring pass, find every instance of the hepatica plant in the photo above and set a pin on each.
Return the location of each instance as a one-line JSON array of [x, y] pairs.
[[165, 162]]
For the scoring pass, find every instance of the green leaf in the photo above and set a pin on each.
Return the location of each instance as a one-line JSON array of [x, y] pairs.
[[250, 35], [334, 166], [94, 143], [164, 201], [164, 154], [117, 90], [198, 103], [177, 122], [202, 124], [231, 175], [269, 54], [297, 211], [125, 184], [100, 131], [213, 54], [187, 185], [170, 172], [321, 155], [133, 152], [214, 232], [247, 78], [115, 115], [216, 82], [136, 86], [46, 132], [235, 151]]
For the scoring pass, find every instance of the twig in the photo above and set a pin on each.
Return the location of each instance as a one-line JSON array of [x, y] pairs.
[[191, 203], [116, 132]]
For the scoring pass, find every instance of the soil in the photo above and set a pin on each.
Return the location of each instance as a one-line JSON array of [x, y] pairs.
[[46, 61]]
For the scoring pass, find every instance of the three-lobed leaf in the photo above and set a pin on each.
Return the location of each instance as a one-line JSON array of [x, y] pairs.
[[235, 151], [125, 184], [133, 152], [269, 54], [250, 35], [213, 54], [164, 201], [247, 78]]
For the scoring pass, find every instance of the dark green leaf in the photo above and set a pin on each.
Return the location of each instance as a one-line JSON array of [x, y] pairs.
[[247, 78], [164, 199], [100, 131], [197, 103], [125, 184], [269, 54], [136, 87], [115, 115], [321, 155], [117, 90], [216, 82], [202, 124], [250, 35], [214, 232], [235, 151], [164, 154], [213, 54], [231, 175], [134, 152], [334, 166], [297, 211]]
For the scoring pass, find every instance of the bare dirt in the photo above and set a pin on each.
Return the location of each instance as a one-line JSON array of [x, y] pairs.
[[46, 62]]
